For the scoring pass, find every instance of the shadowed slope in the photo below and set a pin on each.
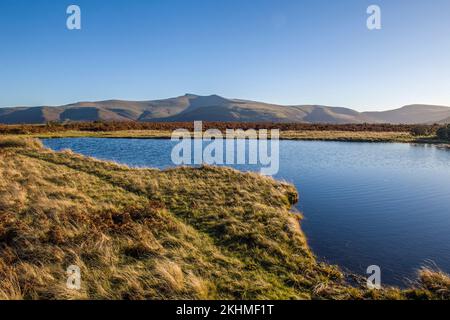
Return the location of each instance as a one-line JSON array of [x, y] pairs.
[[411, 114]]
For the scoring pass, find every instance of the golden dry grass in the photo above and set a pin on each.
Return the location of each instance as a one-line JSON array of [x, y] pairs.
[[185, 233], [325, 135], [356, 136]]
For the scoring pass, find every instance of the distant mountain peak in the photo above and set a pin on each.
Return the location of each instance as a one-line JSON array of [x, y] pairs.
[[204, 96], [191, 107]]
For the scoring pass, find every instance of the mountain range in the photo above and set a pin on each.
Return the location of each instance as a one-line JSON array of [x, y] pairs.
[[192, 107]]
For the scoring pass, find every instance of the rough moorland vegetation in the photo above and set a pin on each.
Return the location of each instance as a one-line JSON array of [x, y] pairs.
[[185, 233], [112, 126], [293, 131]]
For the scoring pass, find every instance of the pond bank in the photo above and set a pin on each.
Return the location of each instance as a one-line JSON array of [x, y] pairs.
[[308, 135], [145, 233]]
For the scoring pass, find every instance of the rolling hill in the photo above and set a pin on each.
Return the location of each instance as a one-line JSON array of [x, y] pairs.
[[412, 114], [192, 107]]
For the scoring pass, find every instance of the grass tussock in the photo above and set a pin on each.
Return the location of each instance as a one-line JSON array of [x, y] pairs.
[[15, 142], [185, 233], [435, 282]]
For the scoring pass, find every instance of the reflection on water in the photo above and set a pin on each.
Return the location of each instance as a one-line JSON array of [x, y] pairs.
[[364, 203]]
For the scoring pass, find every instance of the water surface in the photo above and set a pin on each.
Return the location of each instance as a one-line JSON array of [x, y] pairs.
[[364, 203]]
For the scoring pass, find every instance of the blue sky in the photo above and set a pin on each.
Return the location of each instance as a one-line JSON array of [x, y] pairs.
[[288, 52]]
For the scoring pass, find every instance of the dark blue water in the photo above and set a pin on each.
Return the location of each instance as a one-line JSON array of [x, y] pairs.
[[364, 203]]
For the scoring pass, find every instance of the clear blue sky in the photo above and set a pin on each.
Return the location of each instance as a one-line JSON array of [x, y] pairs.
[[289, 52]]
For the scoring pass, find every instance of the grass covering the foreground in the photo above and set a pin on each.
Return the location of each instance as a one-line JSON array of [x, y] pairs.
[[184, 233]]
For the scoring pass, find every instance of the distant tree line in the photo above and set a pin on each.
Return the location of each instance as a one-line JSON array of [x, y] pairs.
[[443, 133], [424, 130]]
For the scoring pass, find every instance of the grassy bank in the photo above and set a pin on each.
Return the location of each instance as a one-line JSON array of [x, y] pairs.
[[185, 233], [309, 135]]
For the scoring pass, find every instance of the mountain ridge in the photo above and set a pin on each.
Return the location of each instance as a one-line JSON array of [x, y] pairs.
[[190, 107]]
